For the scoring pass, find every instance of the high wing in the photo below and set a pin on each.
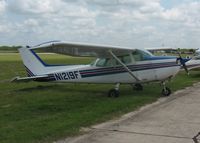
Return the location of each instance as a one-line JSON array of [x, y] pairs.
[[81, 49]]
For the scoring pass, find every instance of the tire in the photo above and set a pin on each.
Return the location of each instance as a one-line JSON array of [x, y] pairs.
[[166, 92], [138, 87], [113, 93]]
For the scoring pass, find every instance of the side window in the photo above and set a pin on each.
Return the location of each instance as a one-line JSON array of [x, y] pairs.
[[108, 62], [104, 62], [140, 55], [197, 58], [126, 59], [137, 56]]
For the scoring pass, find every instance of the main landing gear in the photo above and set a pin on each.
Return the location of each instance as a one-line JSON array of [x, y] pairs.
[[165, 91], [137, 87], [115, 91]]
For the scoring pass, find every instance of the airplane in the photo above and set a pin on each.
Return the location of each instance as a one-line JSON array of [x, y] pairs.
[[113, 65], [188, 62], [194, 62]]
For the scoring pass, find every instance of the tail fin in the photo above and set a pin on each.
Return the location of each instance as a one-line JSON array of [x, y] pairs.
[[34, 65]]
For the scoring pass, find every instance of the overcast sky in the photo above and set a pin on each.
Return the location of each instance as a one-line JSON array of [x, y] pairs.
[[132, 23]]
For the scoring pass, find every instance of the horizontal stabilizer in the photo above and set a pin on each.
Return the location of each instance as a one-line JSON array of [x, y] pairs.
[[27, 79]]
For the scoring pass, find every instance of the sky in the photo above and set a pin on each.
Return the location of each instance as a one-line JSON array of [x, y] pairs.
[[125, 23]]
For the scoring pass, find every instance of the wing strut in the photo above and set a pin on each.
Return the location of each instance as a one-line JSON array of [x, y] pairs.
[[125, 67]]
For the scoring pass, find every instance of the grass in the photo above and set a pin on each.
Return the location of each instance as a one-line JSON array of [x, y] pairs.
[[45, 112]]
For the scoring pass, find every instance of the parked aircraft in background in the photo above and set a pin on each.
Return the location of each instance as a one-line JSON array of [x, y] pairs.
[[194, 62], [190, 62], [114, 65]]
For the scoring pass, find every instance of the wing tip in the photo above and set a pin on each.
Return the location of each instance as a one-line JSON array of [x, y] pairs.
[[15, 79]]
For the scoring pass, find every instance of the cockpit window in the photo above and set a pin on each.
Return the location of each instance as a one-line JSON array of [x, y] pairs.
[[196, 58], [126, 59], [106, 62], [140, 55], [137, 55]]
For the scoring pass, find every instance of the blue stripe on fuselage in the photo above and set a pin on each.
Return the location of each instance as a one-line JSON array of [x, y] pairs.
[[160, 57], [120, 69]]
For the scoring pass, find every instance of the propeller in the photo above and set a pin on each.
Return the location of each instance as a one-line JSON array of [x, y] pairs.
[[183, 61]]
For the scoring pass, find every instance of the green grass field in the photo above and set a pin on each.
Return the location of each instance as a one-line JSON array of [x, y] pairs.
[[45, 112]]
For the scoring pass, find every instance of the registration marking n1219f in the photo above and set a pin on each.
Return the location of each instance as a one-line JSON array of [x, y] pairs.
[[66, 75]]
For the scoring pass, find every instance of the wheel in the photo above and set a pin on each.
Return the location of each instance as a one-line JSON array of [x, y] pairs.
[[113, 93], [166, 92], [138, 87]]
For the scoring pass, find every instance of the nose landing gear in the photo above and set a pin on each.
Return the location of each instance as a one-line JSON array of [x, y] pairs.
[[165, 91]]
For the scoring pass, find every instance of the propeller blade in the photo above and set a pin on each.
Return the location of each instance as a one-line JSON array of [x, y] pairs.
[[182, 61]]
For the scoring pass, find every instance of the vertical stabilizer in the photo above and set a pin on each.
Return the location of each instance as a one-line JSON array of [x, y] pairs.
[[34, 65]]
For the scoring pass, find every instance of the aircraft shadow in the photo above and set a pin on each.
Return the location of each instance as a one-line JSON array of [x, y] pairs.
[[62, 88]]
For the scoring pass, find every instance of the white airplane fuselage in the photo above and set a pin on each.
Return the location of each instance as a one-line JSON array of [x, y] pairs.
[[146, 71]]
